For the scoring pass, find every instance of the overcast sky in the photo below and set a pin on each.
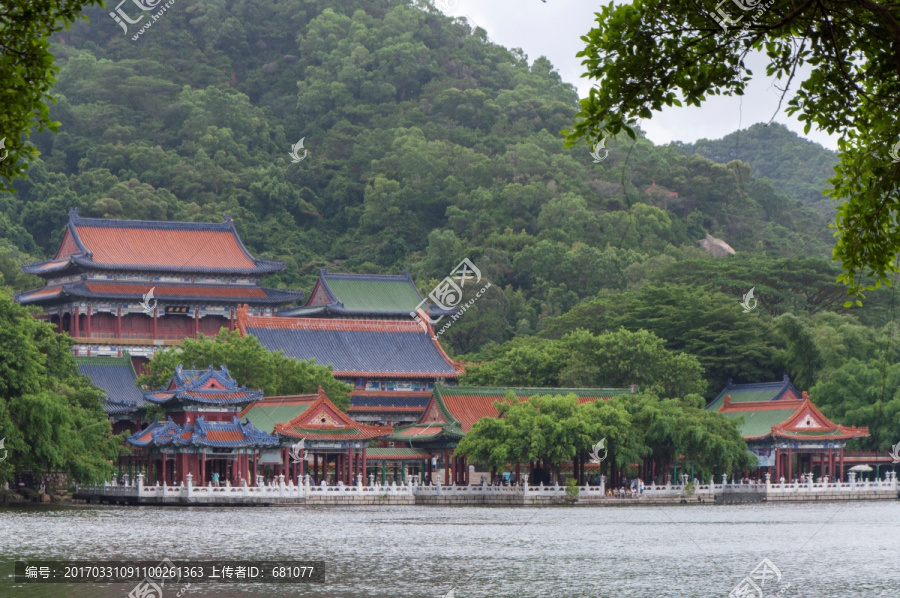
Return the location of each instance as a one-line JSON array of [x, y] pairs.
[[554, 29]]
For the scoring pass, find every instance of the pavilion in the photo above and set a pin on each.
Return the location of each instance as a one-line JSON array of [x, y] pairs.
[[453, 410], [325, 434], [202, 434], [784, 429]]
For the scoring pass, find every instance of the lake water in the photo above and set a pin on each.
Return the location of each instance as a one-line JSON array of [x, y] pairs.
[[821, 550]]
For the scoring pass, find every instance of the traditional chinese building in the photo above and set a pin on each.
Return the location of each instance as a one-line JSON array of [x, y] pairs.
[[392, 364], [123, 401], [202, 434], [365, 296], [785, 431], [134, 286], [324, 435], [453, 410]]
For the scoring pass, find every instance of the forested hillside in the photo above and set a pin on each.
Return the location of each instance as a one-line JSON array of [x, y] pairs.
[[797, 167], [427, 144]]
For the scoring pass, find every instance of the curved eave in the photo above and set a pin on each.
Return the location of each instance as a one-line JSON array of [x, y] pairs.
[[190, 400], [262, 267], [356, 374], [273, 296]]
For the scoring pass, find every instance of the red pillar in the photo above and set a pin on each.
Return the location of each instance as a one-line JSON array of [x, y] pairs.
[[790, 464], [163, 470], [446, 468], [88, 327], [202, 480], [365, 469], [841, 468], [119, 322], [302, 464], [777, 465], [155, 316], [75, 323]]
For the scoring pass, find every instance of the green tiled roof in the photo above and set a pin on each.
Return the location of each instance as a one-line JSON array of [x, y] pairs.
[[753, 393], [759, 423], [265, 417], [373, 295]]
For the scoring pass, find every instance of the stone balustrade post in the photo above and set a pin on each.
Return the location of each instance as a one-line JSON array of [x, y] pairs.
[[768, 481], [852, 477]]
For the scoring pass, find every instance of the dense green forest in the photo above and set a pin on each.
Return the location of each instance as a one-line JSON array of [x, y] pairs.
[[797, 167], [427, 144]]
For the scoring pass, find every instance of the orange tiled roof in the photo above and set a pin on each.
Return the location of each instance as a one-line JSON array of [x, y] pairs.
[[154, 247], [468, 405], [224, 435]]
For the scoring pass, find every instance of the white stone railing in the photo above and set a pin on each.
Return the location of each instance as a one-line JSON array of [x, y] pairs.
[[290, 491], [225, 493]]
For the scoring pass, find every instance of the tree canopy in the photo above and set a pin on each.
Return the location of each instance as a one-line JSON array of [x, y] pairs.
[[554, 429], [28, 74], [51, 417], [250, 364], [650, 54]]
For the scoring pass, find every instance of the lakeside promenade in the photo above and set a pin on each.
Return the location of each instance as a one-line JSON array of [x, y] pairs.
[[413, 493]]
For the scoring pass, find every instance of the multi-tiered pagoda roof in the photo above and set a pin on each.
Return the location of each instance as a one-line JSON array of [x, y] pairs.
[[203, 387], [126, 249], [202, 407], [134, 286]]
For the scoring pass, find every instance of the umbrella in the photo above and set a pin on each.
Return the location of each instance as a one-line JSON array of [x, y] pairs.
[[860, 468]]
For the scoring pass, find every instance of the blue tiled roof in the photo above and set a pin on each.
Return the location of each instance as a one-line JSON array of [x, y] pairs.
[[214, 434], [172, 293], [115, 376], [188, 386], [360, 352]]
